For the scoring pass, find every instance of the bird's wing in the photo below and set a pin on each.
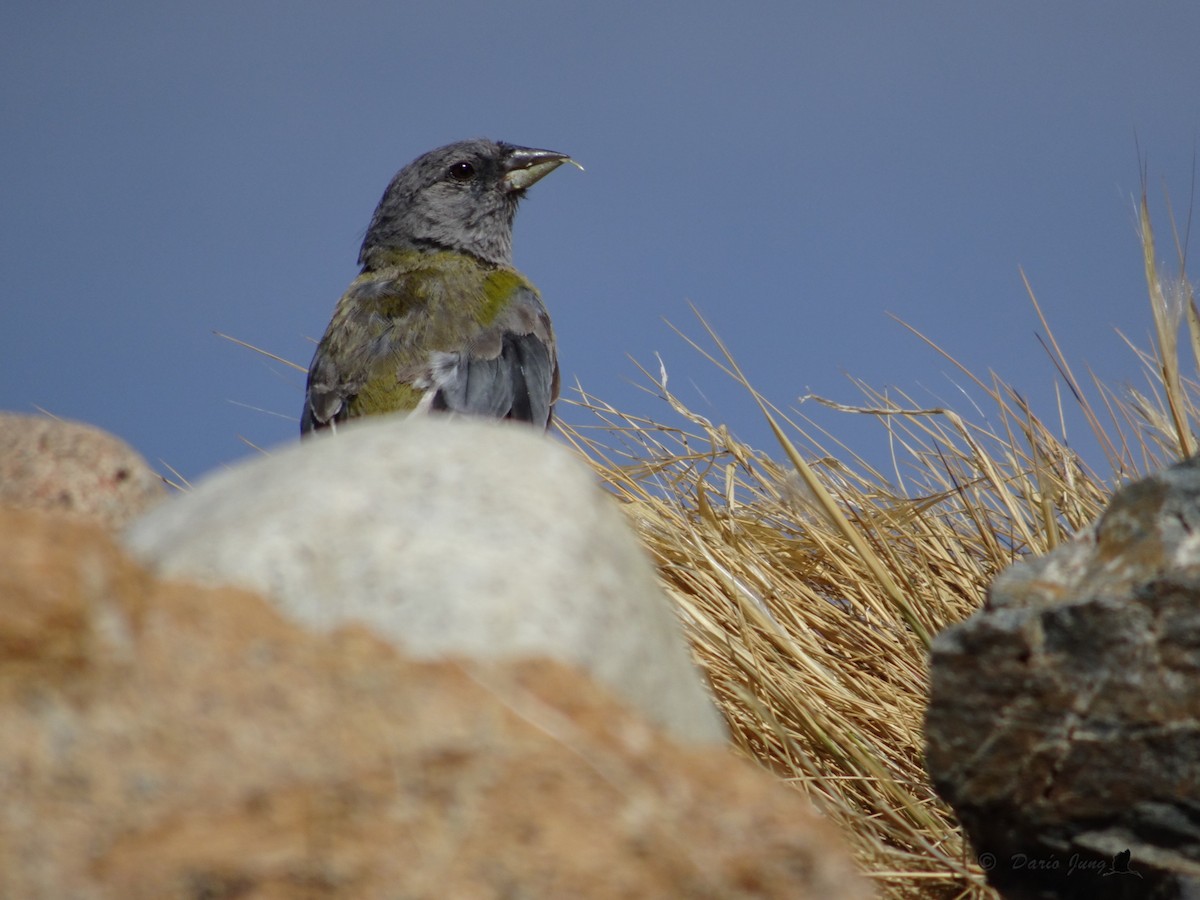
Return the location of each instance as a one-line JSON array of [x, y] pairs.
[[507, 371], [327, 395], [388, 350], [354, 370]]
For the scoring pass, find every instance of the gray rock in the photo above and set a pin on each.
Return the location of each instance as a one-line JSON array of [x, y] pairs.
[[74, 469], [451, 537], [1064, 716]]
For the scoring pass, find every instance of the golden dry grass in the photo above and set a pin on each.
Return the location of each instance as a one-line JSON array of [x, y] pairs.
[[812, 586]]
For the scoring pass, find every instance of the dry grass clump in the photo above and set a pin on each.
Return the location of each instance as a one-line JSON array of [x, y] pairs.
[[813, 586]]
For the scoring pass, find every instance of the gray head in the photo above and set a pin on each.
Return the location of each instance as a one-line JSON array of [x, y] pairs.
[[459, 197]]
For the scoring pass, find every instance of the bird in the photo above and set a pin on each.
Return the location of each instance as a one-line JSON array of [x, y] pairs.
[[438, 318]]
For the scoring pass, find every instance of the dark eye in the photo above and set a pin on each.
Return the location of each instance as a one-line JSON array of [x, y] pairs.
[[461, 171]]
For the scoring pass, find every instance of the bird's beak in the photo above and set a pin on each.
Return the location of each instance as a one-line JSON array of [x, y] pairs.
[[524, 166]]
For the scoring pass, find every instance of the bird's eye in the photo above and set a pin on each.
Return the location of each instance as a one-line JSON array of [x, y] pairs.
[[462, 171]]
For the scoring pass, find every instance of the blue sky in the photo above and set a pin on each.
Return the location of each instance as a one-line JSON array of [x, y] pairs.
[[797, 171]]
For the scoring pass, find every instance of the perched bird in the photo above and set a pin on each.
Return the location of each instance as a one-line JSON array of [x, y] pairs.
[[439, 319]]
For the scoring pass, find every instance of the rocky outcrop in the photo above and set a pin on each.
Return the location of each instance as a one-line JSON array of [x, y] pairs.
[[449, 537], [73, 469], [1064, 717], [160, 740]]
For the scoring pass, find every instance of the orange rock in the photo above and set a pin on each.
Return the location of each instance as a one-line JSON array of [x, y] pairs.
[[74, 469], [161, 740]]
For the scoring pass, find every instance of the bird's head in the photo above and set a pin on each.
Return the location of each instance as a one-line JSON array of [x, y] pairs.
[[459, 197]]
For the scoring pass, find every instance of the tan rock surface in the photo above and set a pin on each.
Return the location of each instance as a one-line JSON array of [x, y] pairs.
[[74, 469], [166, 741]]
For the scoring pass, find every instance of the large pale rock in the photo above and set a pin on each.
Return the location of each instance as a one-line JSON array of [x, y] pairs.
[[73, 469], [168, 742], [1064, 718], [450, 537]]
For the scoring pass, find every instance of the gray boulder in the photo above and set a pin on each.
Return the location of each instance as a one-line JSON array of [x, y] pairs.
[[1064, 716], [452, 537]]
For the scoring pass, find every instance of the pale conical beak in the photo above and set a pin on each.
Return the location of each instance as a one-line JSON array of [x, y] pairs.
[[525, 166]]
